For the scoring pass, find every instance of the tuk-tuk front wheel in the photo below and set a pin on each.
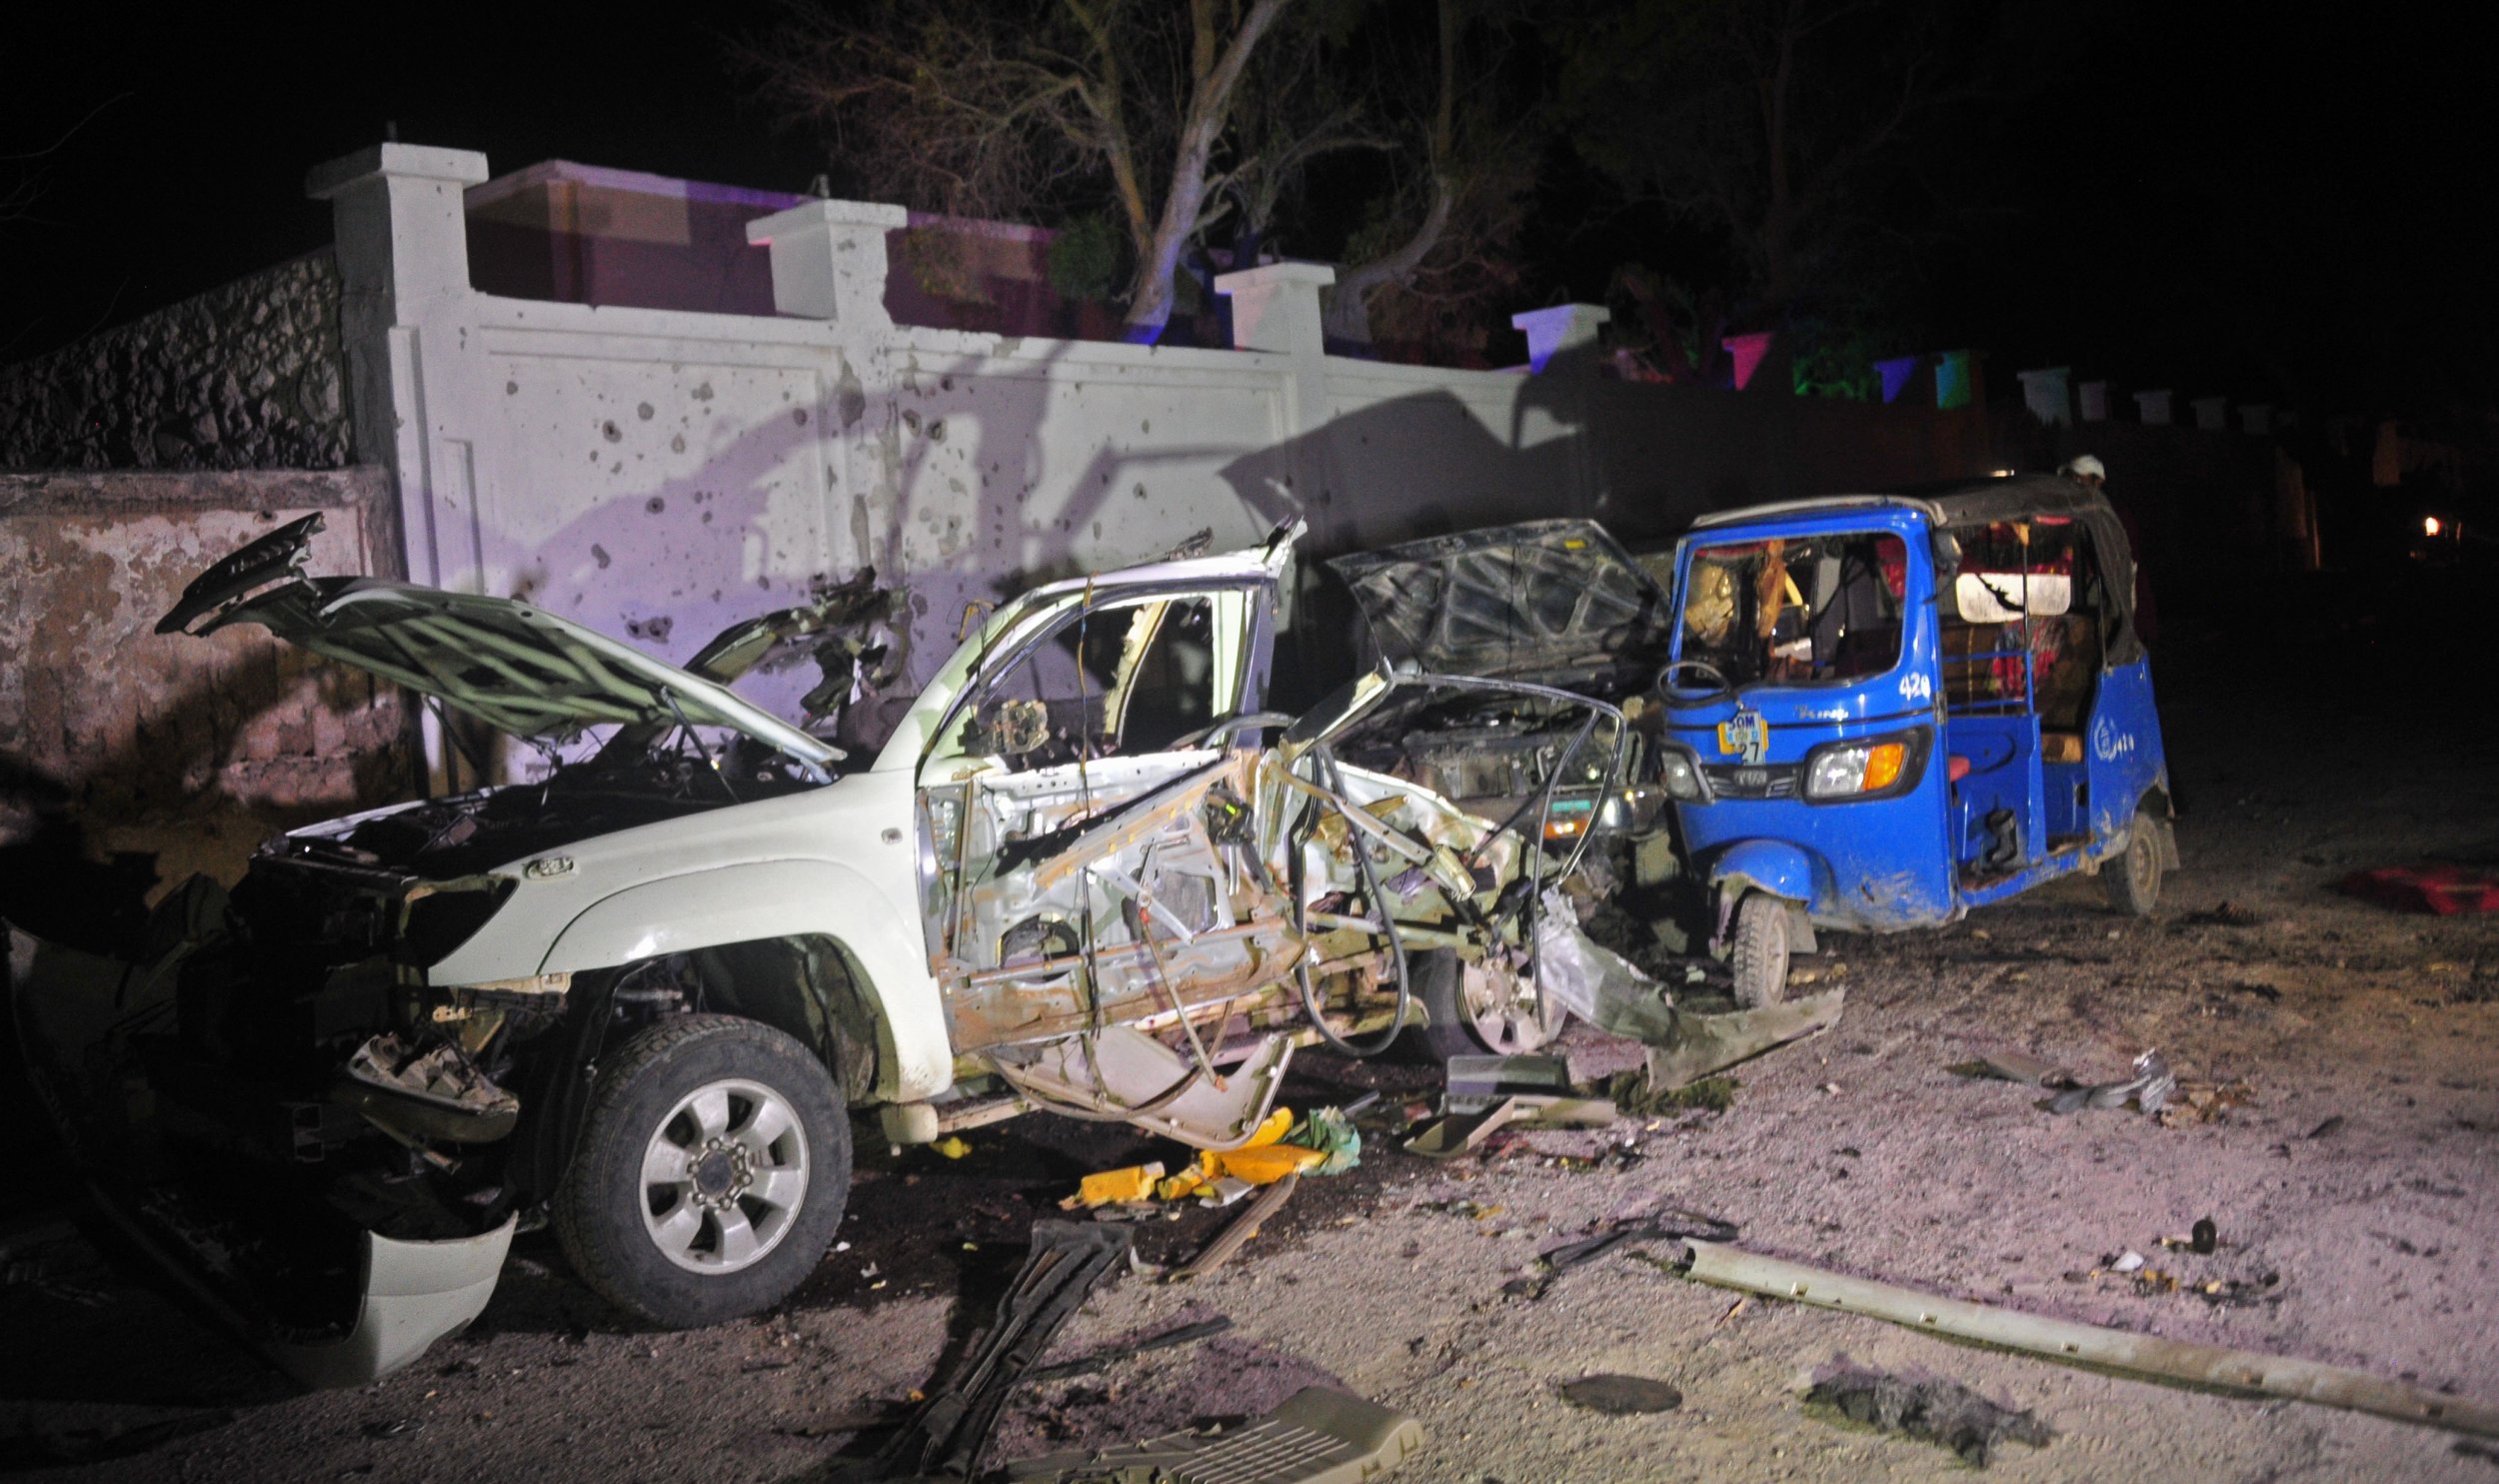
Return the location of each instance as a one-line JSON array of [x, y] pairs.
[[2134, 881], [1761, 951]]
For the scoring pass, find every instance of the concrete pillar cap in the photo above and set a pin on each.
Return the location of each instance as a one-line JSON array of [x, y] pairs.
[[824, 216], [1265, 275], [1562, 317], [416, 161]]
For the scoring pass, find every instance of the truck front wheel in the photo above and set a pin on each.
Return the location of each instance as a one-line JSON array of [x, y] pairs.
[[713, 1169]]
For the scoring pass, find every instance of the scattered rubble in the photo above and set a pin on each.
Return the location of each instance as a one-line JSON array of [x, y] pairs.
[[2201, 1103], [2149, 1089], [2223, 915], [1934, 1412], [1664, 1227], [1244, 1227], [1621, 1397], [2015, 1067], [1109, 1355], [1460, 1132], [1634, 1093], [946, 1437], [1318, 1436]]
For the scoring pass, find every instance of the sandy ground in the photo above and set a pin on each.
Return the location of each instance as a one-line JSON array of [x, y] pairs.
[[2367, 1241]]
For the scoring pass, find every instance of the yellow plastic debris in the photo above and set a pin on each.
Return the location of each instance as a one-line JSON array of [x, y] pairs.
[[1265, 1164], [1278, 1124], [1111, 1187], [951, 1146], [1181, 1185]]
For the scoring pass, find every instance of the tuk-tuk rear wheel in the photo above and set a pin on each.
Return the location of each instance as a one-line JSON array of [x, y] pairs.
[[1761, 951], [2134, 885]]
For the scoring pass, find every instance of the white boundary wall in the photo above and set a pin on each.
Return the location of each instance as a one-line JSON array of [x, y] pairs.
[[658, 475]]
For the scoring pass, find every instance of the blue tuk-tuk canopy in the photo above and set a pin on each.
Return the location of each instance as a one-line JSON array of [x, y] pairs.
[[1977, 505]]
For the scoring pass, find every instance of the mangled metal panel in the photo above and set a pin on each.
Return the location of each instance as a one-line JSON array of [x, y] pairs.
[[1545, 598], [519, 668]]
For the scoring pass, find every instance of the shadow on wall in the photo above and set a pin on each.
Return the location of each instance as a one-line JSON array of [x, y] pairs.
[[183, 777], [665, 564], [972, 480], [965, 505]]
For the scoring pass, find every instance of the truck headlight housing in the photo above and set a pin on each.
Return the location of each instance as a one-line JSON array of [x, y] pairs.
[[1865, 767], [1678, 774]]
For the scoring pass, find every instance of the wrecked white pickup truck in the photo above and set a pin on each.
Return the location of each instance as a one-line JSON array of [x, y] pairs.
[[1084, 874]]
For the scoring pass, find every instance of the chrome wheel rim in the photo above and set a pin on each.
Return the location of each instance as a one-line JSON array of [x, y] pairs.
[[722, 1176], [1502, 1009]]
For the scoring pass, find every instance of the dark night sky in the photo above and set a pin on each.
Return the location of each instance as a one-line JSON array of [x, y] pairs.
[[2279, 202]]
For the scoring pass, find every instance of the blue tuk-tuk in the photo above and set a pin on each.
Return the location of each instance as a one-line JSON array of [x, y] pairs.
[[1883, 711]]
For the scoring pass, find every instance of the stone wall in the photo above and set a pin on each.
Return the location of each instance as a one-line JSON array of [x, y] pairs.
[[248, 376], [102, 716]]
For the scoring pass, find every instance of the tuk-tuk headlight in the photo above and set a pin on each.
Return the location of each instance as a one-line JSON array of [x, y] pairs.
[[1676, 771], [1845, 769]]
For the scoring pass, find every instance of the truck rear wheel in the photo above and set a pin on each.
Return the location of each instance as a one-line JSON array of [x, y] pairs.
[[1478, 1009], [714, 1165], [1761, 951]]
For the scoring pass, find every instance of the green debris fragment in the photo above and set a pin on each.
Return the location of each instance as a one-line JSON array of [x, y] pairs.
[[1633, 1094], [1331, 1132]]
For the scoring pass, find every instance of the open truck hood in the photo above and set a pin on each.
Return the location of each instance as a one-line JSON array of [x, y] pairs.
[[519, 668], [1558, 600]]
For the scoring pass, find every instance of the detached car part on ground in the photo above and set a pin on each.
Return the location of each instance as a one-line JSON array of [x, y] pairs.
[[637, 995]]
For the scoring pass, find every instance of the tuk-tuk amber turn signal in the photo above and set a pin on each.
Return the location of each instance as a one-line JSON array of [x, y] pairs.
[[1860, 768]]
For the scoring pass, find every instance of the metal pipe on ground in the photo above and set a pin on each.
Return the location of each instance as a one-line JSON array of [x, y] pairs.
[[2141, 1355]]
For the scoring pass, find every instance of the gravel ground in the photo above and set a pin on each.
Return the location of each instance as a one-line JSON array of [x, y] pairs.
[[2354, 1199]]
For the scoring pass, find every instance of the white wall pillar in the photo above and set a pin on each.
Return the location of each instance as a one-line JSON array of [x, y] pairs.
[[1276, 307], [1564, 326], [401, 224], [2045, 392], [400, 220], [2156, 409], [829, 261], [1276, 310], [2093, 399], [2212, 413], [402, 233]]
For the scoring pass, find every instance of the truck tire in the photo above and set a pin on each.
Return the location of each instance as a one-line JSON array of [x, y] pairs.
[[2133, 877], [1474, 1011], [1760, 956], [714, 1164]]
